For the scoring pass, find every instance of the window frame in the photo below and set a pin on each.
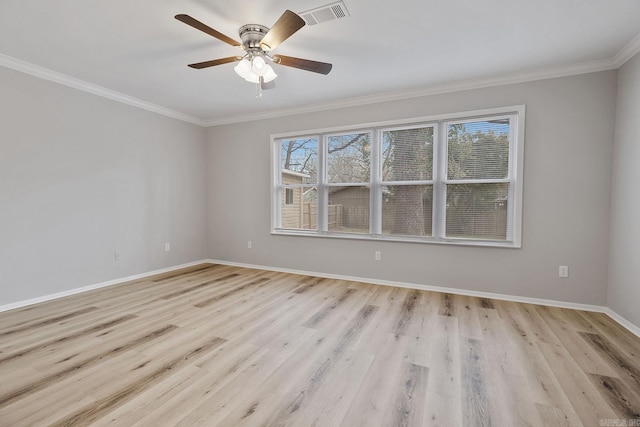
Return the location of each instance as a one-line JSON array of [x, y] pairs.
[[323, 153], [439, 179], [380, 182]]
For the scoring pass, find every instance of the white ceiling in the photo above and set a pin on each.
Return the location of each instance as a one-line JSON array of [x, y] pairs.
[[138, 52]]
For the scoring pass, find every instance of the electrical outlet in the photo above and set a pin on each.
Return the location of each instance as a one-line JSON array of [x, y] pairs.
[[248, 244], [378, 255], [116, 256], [167, 247], [563, 271]]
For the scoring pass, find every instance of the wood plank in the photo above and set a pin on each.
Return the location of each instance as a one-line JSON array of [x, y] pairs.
[[7, 356], [583, 395], [475, 396], [624, 398], [564, 325], [441, 410], [8, 396], [507, 364], [467, 314], [445, 358], [447, 304], [407, 407], [108, 403], [334, 396], [375, 394], [628, 369], [554, 417]]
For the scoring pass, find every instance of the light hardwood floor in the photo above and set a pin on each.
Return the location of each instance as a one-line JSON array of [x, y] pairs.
[[219, 345]]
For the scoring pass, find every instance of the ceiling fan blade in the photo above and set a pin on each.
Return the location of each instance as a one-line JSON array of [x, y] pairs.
[[206, 64], [284, 28], [303, 64], [206, 29]]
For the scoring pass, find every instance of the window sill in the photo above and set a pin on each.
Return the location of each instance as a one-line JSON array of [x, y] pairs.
[[402, 239]]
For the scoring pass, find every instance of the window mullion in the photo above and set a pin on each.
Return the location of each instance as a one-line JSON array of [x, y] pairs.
[[323, 197], [375, 191], [511, 174], [439, 186], [277, 184]]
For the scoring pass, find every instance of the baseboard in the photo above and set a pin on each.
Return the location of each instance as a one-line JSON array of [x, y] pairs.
[[70, 292], [480, 294], [623, 322], [504, 297], [540, 301]]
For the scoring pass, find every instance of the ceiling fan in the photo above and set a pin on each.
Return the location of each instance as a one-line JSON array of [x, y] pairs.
[[257, 42]]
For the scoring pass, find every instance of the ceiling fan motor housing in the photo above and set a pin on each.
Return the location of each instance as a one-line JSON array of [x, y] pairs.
[[251, 36]]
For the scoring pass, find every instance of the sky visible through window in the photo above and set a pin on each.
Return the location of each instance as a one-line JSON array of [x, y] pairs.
[[497, 126], [299, 155]]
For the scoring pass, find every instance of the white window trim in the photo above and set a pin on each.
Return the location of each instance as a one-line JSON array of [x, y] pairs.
[[516, 176]]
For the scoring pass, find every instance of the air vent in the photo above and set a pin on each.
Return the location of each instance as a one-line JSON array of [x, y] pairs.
[[336, 10]]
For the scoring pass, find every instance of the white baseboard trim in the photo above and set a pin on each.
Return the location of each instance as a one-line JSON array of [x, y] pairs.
[[70, 292], [623, 322], [540, 301], [504, 297]]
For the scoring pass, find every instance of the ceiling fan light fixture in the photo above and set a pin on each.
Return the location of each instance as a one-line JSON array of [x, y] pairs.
[[258, 65], [252, 78], [269, 75], [243, 69], [247, 70]]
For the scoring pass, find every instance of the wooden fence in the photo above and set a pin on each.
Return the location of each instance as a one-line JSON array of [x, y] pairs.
[[489, 224], [310, 216]]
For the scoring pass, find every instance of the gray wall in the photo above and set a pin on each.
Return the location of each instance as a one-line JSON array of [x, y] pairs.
[[624, 259], [568, 158], [81, 177]]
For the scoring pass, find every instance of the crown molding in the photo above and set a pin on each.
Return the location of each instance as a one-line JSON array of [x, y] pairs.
[[63, 79], [462, 85], [627, 52], [547, 73]]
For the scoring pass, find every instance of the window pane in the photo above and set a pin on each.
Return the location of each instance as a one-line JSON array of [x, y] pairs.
[[301, 213], [299, 161], [477, 211], [478, 150], [348, 209], [289, 196], [348, 159], [407, 210], [407, 154]]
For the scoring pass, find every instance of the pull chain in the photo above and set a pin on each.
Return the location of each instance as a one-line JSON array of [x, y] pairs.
[[259, 88]]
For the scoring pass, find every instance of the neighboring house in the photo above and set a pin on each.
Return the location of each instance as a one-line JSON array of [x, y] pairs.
[[292, 200], [299, 208]]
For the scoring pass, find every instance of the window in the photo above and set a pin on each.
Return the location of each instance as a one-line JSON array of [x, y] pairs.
[[348, 177], [298, 181], [407, 180], [447, 179], [288, 196]]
